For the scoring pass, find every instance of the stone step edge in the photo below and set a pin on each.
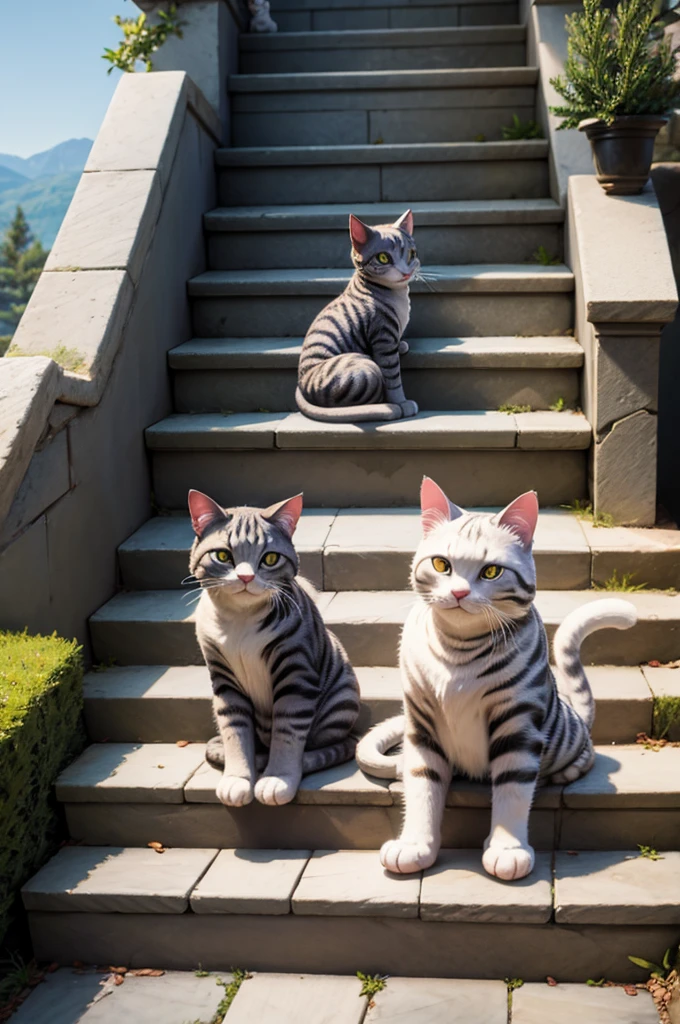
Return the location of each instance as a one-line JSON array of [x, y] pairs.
[[434, 152], [349, 81], [232, 881], [336, 39], [563, 353]]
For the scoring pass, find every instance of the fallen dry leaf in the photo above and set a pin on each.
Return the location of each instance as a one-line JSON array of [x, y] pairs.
[[118, 979], [118, 970], [630, 990], [182, 743], [158, 847], [551, 981], [654, 664]]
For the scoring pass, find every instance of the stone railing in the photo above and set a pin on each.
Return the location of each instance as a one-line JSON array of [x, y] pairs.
[[86, 371]]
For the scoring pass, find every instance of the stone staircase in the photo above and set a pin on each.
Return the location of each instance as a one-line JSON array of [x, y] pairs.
[[369, 106]]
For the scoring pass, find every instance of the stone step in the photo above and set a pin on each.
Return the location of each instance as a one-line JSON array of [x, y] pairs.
[[158, 703], [369, 107], [247, 374], [453, 232], [384, 173], [156, 627], [285, 897], [383, 49], [475, 300], [331, 15], [485, 457]]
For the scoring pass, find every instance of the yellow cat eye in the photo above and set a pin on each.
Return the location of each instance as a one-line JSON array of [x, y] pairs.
[[491, 572], [383, 258], [440, 564], [271, 558], [222, 556]]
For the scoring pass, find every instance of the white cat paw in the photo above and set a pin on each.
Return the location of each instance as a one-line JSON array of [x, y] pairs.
[[403, 857], [409, 408], [233, 791], [275, 791], [508, 863], [403, 348]]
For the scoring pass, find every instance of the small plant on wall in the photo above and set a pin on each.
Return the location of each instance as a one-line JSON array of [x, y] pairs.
[[141, 40], [618, 85]]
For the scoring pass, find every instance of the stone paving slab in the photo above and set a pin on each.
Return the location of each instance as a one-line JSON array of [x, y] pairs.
[[652, 555], [458, 888], [250, 882], [628, 776], [353, 883], [439, 1001], [125, 772], [178, 997], [624, 703], [564, 1004], [209, 430], [665, 682], [429, 430], [115, 880], [296, 998], [619, 887]]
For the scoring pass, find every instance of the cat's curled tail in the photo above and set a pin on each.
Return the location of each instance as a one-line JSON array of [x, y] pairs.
[[372, 756], [312, 760], [378, 411], [572, 682]]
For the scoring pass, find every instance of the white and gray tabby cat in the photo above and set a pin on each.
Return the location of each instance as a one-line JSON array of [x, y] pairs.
[[349, 368], [480, 697], [279, 677]]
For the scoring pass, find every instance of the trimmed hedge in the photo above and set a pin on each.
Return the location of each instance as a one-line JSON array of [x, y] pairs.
[[41, 700]]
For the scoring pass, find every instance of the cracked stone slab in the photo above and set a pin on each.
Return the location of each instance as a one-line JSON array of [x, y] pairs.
[[439, 1001], [628, 776], [564, 1004], [250, 882], [129, 772], [619, 887], [114, 880], [291, 998], [353, 883], [458, 888]]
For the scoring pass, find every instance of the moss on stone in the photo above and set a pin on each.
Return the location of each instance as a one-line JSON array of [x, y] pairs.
[[68, 358], [41, 698]]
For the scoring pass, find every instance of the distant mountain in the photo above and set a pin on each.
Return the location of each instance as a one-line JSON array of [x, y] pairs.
[[44, 201], [10, 179], [67, 157]]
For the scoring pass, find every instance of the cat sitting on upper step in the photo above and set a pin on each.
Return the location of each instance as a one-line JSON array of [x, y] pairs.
[[480, 697], [349, 368], [280, 678]]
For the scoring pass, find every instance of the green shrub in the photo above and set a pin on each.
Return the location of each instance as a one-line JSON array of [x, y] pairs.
[[41, 698]]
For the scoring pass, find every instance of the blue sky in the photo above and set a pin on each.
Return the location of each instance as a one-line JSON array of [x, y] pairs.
[[53, 82]]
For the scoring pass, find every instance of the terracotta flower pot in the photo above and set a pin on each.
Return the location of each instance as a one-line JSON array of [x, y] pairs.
[[623, 151]]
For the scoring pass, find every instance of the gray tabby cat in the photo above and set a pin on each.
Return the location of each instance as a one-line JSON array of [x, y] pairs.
[[349, 368], [278, 675], [480, 697]]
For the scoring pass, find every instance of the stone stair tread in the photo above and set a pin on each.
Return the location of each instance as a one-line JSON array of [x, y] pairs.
[[319, 217], [391, 37], [448, 430], [299, 5], [425, 353], [386, 153], [326, 81], [587, 1004], [619, 887], [481, 277]]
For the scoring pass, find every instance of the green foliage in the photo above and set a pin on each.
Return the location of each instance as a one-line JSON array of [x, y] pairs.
[[662, 970], [616, 65], [624, 583], [519, 129], [510, 408], [69, 358], [666, 715], [649, 853], [230, 992], [41, 698], [141, 40], [542, 256], [558, 405], [371, 983], [595, 984], [584, 510], [21, 261], [512, 984]]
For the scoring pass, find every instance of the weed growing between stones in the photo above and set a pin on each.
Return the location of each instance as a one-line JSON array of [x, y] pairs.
[[230, 992], [371, 983], [558, 405], [519, 129], [664, 982], [512, 984], [649, 852], [666, 714], [510, 408], [584, 510], [542, 256], [623, 584]]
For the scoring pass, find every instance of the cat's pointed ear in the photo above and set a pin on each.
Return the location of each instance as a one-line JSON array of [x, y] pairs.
[[405, 222], [359, 232], [285, 514], [521, 517], [435, 507], [204, 512]]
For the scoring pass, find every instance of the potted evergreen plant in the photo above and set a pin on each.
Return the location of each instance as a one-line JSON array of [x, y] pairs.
[[619, 84]]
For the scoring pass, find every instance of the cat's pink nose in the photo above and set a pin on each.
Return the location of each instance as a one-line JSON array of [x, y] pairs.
[[246, 577], [460, 594]]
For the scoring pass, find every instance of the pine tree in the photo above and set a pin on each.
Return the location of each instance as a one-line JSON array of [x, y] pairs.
[[616, 64], [22, 258]]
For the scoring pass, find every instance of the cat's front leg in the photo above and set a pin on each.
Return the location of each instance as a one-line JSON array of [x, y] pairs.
[[386, 354], [514, 774], [292, 717], [427, 775], [234, 715]]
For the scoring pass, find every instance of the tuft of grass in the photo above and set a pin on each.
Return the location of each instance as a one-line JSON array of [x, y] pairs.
[[371, 983], [480, 138], [623, 584], [17, 975], [542, 256], [595, 984], [510, 408], [200, 973], [512, 984], [519, 129], [666, 714], [379, 141], [230, 992], [649, 852], [584, 510], [68, 358], [558, 405]]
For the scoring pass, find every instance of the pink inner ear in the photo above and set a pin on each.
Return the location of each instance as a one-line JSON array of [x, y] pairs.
[[521, 517], [435, 506], [204, 511], [286, 514], [405, 222], [358, 232]]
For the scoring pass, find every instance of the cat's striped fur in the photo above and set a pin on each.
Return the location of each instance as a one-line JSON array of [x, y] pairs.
[[281, 680], [480, 698], [349, 369]]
